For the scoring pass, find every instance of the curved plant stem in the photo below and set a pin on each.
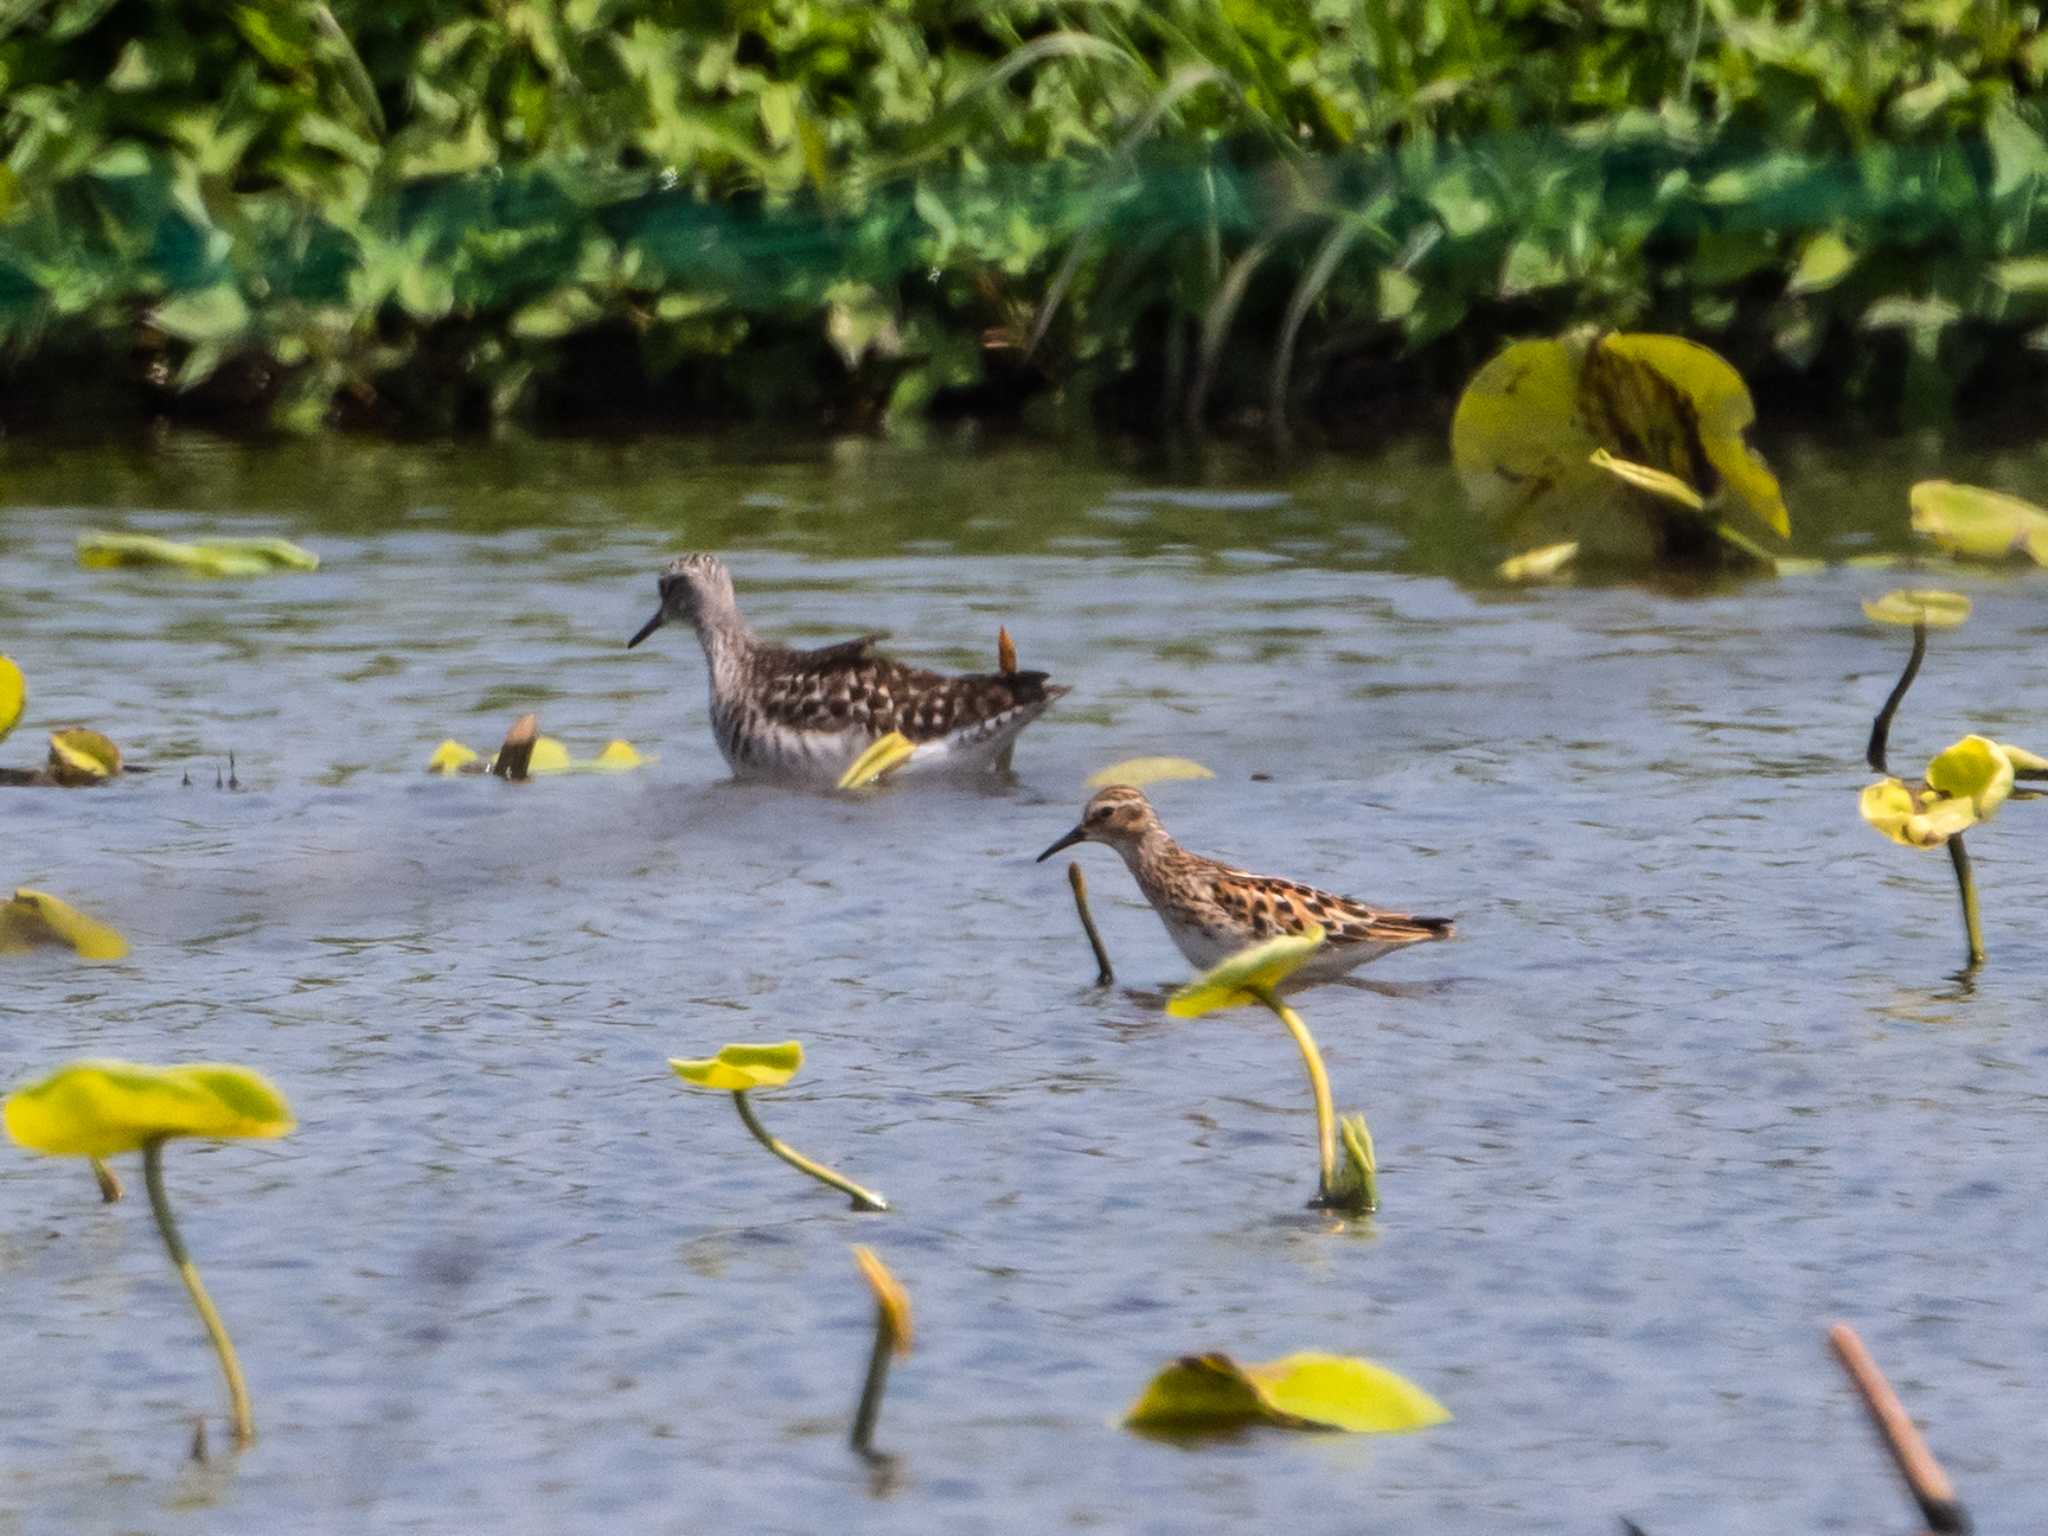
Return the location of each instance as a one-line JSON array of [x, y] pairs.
[[1105, 975], [110, 1182], [863, 1199], [870, 1408], [1966, 883], [238, 1394], [1319, 1085], [1881, 727]]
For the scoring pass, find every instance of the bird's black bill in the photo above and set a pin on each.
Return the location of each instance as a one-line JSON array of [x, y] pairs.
[[660, 617], [1073, 837]]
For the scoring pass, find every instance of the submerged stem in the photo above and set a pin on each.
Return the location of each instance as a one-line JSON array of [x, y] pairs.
[[863, 1199], [1319, 1084], [1105, 975], [870, 1408], [109, 1181], [238, 1394], [1966, 883], [1881, 727]]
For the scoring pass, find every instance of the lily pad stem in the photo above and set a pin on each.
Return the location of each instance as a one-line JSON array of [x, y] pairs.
[[863, 1199], [1881, 727], [110, 1182], [870, 1408], [238, 1393], [1319, 1085], [1105, 974], [1966, 883]]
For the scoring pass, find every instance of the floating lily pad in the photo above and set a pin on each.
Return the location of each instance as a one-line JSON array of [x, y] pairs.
[[1239, 980], [100, 1108], [739, 1067], [1140, 771], [1937, 610], [34, 918], [1539, 564], [617, 757], [216, 557], [887, 752], [80, 757], [546, 755], [453, 757], [891, 1299], [13, 695], [1984, 525], [1211, 1393]]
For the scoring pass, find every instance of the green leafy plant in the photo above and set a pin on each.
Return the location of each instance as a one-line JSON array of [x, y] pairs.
[[740, 1069], [99, 1109]]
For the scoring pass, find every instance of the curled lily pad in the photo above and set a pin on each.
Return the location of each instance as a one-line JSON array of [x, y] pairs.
[[36, 917], [1984, 525], [1140, 771], [1935, 609], [1915, 818], [1209, 1393], [1975, 769], [13, 695], [1357, 1184], [80, 757], [1240, 979], [737, 1068], [892, 1302], [1539, 564], [617, 757], [100, 1108], [549, 756], [887, 752], [217, 557], [453, 757]]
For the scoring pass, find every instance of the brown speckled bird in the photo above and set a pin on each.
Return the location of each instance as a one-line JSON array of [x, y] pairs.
[[1213, 911], [806, 715]]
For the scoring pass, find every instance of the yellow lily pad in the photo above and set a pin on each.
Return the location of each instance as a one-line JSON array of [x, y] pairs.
[[618, 756], [2021, 758], [1644, 478], [1975, 769], [217, 557], [452, 757], [1239, 979], [79, 757], [1208, 1393], [1140, 771], [100, 1108], [888, 752], [1914, 820], [1539, 564], [1904, 605], [13, 695], [37, 917], [739, 1067], [1668, 414], [549, 756], [1984, 525], [890, 1297]]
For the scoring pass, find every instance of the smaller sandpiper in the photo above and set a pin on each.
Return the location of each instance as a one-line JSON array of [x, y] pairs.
[[805, 716], [1213, 911]]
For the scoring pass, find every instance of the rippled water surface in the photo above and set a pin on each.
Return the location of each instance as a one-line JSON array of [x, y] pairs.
[[1695, 1080]]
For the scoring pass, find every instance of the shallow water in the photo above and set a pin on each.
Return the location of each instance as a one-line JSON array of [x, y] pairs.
[[1695, 1080]]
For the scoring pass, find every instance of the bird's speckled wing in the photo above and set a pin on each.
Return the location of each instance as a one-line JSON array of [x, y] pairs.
[[852, 686], [1270, 906]]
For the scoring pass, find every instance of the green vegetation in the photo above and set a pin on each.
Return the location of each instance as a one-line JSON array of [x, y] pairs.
[[428, 214]]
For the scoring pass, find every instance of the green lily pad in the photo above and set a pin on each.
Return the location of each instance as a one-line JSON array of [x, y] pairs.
[[80, 757], [1975, 769], [1914, 818], [1140, 771], [1240, 979], [739, 1067], [217, 557], [100, 1108], [1210, 1393], [1983, 525], [1937, 610], [13, 695], [35, 918]]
